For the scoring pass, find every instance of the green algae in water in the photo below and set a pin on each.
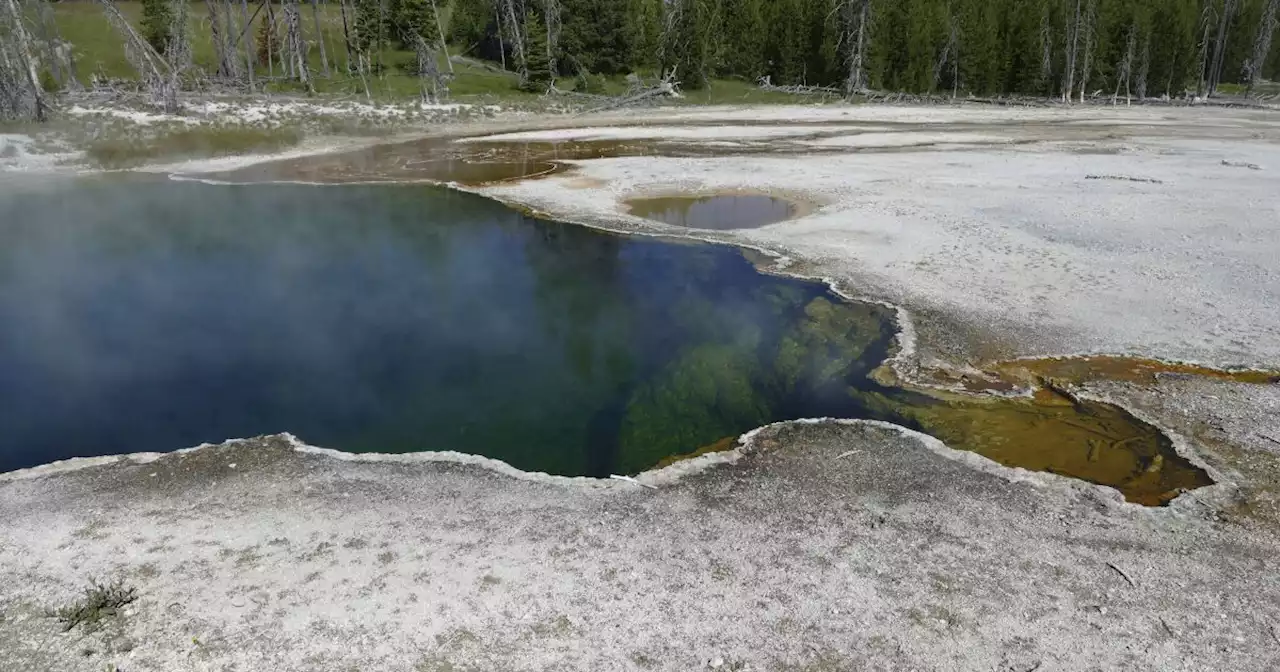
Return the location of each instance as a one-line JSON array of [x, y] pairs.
[[144, 315], [148, 315]]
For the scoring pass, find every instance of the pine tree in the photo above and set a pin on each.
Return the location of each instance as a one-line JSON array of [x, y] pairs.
[[414, 18], [157, 24], [537, 76], [469, 23], [369, 34]]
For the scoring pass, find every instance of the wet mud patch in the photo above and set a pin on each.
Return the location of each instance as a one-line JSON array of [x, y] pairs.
[[717, 211], [446, 160]]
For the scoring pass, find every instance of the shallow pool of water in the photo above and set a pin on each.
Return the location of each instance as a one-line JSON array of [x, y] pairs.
[[141, 314], [723, 211]]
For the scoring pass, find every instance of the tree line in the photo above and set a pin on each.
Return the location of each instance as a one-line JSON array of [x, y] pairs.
[[1064, 48], [1069, 49]]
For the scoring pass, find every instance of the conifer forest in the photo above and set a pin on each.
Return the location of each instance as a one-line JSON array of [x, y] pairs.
[[1068, 50]]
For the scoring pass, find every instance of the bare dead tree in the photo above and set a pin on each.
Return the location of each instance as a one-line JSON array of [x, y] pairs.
[[1144, 68], [160, 80], [444, 44], [551, 16], [502, 44], [1262, 44], [1086, 66], [1046, 50], [1073, 48], [1124, 71], [1220, 45], [950, 55], [324, 56], [434, 83], [19, 79], [1206, 22], [178, 49], [296, 44], [514, 22], [58, 55], [854, 38], [346, 33], [246, 35], [672, 16], [223, 39], [230, 34]]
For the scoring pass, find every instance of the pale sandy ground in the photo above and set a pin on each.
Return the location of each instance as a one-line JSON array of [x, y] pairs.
[[818, 547]]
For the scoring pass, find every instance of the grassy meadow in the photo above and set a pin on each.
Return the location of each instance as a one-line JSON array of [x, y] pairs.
[[99, 51]]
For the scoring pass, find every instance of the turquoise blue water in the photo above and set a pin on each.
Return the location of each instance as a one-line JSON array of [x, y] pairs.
[[152, 315]]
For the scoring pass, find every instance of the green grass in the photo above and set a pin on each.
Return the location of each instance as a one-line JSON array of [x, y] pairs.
[[130, 150], [99, 50], [100, 601], [738, 92]]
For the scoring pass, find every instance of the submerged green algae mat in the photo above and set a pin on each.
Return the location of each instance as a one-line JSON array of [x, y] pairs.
[[148, 315]]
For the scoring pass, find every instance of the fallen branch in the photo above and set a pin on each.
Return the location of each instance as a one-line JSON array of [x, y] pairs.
[[845, 454], [628, 479], [158, 76], [667, 86], [557, 91], [1271, 439], [1123, 574], [766, 84], [1124, 178]]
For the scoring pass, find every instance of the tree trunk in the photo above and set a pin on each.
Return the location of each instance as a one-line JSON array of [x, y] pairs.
[[160, 78], [22, 45], [50, 45], [1144, 68], [444, 44], [1220, 45], [1261, 44], [1073, 46], [1046, 54], [1087, 65], [502, 45], [855, 34], [515, 25], [1124, 70], [297, 45], [551, 16], [1203, 55], [324, 56], [246, 34], [178, 52], [346, 32]]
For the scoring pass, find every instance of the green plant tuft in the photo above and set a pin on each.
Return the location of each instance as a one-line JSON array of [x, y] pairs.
[[100, 600]]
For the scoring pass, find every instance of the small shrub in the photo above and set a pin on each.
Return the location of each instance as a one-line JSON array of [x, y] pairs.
[[100, 600], [588, 83]]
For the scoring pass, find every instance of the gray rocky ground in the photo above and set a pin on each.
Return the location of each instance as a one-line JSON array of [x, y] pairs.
[[253, 556]]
